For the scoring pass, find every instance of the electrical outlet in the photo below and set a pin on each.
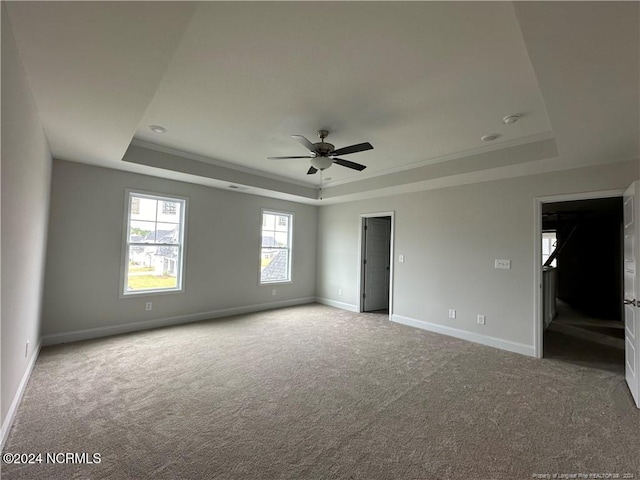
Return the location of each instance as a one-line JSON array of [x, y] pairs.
[[401, 258], [148, 306], [481, 319], [26, 349], [452, 313], [274, 292], [340, 292]]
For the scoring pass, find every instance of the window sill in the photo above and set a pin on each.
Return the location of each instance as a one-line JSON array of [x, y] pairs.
[[150, 293]]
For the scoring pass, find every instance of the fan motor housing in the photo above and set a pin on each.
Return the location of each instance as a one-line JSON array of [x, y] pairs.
[[324, 154], [323, 149]]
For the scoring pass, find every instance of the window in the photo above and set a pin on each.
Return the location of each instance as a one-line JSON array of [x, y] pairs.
[[169, 208], [154, 243], [275, 250], [549, 242], [135, 205]]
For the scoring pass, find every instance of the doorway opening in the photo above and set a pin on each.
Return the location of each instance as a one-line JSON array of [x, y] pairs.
[[581, 274], [376, 263]]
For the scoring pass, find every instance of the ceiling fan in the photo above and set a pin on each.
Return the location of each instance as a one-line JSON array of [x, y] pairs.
[[323, 154]]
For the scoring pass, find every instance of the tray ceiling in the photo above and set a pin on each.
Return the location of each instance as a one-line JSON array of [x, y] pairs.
[[421, 81]]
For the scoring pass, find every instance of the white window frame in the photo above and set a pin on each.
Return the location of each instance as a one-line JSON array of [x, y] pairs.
[[546, 256], [289, 248], [124, 266]]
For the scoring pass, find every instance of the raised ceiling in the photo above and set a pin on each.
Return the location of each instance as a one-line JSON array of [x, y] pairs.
[[421, 81]]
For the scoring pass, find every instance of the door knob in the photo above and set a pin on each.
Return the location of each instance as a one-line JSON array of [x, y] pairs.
[[630, 302]]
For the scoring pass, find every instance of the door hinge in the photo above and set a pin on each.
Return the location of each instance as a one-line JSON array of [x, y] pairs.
[[365, 227], [364, 262], [364, 295]]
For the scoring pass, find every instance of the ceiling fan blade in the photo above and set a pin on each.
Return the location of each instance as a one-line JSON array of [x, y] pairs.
[[308, 145], [348, 164], [360, 147], [285, 158], [312, 170]]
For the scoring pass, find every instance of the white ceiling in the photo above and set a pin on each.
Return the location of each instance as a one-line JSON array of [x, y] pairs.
[[421, 81]]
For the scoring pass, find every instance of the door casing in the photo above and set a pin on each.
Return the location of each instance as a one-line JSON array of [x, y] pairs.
[[361, 252], [538, 321]]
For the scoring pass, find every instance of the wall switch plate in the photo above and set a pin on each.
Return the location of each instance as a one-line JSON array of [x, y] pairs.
[[148, 306], [401, 258], [452, 313], [340, 292], [26, 349], [274, 292], [501, 263], [481, 319]]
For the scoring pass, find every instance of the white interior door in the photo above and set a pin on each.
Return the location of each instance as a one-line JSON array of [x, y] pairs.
[[631, 333], [377, 242]]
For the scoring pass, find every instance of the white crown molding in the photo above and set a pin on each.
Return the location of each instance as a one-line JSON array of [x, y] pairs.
[[220, 163], [443, 158], [500, 173], [362, 176]]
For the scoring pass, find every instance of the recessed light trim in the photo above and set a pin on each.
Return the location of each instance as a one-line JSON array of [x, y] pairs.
[[490, 137], [157, 129]]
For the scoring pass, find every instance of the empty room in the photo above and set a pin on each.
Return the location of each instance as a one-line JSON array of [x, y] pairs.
[[320, 240]]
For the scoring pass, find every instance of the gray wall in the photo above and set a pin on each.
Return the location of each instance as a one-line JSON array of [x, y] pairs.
[[222, 256], [450, 238], [26, 172]]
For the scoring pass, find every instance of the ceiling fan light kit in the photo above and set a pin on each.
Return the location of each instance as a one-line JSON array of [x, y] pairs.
[[324, 154], [321, 163]]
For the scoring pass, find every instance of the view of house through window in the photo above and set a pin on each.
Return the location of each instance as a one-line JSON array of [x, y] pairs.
[[275, 252], [154, 243], [549, 242]]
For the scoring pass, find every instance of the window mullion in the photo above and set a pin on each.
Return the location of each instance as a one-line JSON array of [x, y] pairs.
[[155, 233]]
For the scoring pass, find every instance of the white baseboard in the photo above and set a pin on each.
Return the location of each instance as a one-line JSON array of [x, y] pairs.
[[341, 305], [510, 346], [8, 421], [98, 332]]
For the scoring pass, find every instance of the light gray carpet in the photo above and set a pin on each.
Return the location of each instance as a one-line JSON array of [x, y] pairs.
[[584, 340], [313, 392]]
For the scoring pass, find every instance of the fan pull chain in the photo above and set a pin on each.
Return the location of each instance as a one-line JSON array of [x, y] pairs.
[[321, 180]]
